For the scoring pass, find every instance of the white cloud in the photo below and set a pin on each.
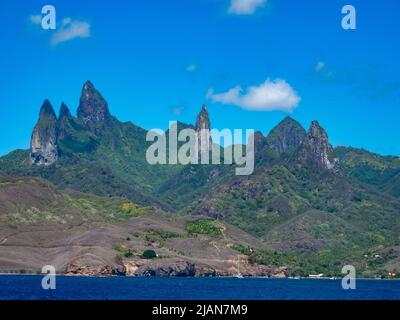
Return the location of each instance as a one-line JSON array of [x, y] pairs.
[[178, 110], [35, 19], [268, 96], [191, 68], [69, 30], [320, 65], [243, 7]]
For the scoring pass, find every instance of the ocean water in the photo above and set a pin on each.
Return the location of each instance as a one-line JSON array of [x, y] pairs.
[[130, 288]]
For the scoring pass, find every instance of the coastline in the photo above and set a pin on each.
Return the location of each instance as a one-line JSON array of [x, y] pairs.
[[191, 277]]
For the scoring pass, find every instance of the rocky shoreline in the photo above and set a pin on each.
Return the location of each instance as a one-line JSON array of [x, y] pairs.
[[161, 268]]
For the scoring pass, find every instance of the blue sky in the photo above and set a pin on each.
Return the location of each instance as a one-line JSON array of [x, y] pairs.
[[156, 61]]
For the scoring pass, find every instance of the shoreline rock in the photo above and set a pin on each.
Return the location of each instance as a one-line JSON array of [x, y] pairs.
[[180, 268]]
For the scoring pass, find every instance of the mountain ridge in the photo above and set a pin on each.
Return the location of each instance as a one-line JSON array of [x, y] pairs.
[[306, 200]]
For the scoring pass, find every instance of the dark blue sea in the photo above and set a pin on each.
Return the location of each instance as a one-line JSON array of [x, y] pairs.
[[130, 288]]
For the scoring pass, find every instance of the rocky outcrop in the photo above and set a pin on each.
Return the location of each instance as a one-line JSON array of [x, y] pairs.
[[91, 265], [175, 268], [44, 149], [182, 269], [160, 268], [318, 148], [287, 136], [203, 120], [74, 269], [63, 121], [52, 137], [93, 108], [203, 127]]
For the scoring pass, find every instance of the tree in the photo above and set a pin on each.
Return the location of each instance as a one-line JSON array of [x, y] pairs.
[[149, 254]]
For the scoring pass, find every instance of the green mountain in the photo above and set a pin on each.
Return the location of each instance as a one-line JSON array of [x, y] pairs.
[[93, 152], [286, 136], [308, 206]]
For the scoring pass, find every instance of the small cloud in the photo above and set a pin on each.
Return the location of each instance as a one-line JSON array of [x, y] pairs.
[[245, 7], [191, 68], [35, 19], [178, 110], [69, 30], [268, 96], [320, 65]]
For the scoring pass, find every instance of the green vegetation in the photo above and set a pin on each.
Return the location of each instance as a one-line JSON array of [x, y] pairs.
[[149, 254], [128, 253], [124, 251], [129, 210], [164, 235], [207, 227]]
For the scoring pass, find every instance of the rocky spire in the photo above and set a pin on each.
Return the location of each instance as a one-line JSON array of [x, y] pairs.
[[203, 128], [287, 136], [93, 109], [64, 112], [44, 149], [64, 119], [318, 147], [203, 119]]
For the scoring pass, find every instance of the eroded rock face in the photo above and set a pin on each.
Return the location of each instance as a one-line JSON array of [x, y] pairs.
[[319, 148], [93, 109], [44, 149]]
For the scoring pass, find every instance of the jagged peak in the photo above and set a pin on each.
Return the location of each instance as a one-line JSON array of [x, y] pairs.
[[319, 148], [93, 108], [289, 121], [89, 91], [288, 135], [315, 126], [203, 127], [44, 138], [203, 119], [88, 85], [47, 110], [317, 131], [64, 111]]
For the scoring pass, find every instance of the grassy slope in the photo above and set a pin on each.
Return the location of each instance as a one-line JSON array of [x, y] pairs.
[[40, 225]]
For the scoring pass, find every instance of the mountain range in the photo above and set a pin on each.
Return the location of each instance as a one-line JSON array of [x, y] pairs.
[[84, 198]]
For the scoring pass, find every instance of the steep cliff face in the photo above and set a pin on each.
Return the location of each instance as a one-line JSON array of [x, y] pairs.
[[203, 127], [318, 148], [286, 136], [93, 108], [44, 149]]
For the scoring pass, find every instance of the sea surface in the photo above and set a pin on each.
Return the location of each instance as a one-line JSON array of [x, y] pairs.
[[23, 287]]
